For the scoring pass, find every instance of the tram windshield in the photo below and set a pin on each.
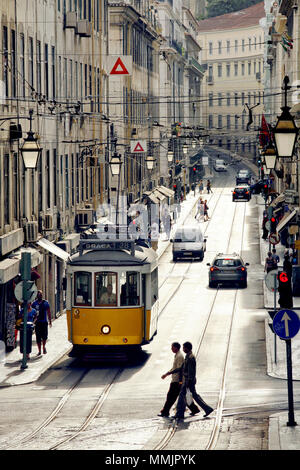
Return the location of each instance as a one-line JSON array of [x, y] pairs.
[[83, 290], [129, 288], [106, 288]]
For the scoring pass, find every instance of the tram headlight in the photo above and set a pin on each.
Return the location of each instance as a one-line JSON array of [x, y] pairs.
[[76, 313], [105, 329]]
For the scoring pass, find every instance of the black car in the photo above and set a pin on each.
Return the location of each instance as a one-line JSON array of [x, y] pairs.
[[243, 177], [241, 192]]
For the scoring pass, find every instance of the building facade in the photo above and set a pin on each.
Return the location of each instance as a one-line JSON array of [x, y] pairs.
[[51, 64], [233, 54]]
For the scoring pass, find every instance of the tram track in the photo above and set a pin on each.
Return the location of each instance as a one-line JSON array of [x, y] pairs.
[[177, 287], [62, 402], [173, 427]]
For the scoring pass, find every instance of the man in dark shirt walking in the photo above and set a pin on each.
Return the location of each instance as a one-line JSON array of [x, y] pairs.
[[41, 325], [189, 381]]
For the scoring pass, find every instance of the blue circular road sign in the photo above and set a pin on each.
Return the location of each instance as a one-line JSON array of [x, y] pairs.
[[286, 324]]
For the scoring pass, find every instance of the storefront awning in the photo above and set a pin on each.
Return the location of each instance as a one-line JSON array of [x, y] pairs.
[[159, 195], [285, 220], [52, 248], [166, 191], [277, 200]]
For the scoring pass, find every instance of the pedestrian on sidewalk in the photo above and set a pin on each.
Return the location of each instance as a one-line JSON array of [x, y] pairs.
[[269, 263], [189, 382], [200, 210], [276, 258], [176, 382], [31, 318], [265, 230], [201, 187], [41, 325], [208, 187], [287, 266], [205, 211]]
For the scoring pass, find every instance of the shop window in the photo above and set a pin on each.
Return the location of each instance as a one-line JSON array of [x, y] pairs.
[[83, 288], [106, 289], [129, 288]]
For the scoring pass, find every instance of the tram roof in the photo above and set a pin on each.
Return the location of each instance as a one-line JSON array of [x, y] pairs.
[[114, 257]]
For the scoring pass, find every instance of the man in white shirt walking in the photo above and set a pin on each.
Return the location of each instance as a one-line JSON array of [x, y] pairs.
[[176, 383]]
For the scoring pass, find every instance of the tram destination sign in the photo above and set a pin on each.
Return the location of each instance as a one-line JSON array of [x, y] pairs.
[[106, 245]]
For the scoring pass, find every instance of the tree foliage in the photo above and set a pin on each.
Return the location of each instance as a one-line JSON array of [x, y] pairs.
[[220, 7]]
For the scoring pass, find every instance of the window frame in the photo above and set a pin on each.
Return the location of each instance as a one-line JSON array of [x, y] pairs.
[[117, 287], [75, 289]]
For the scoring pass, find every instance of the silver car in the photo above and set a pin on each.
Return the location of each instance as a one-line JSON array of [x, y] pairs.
[[227, 269]]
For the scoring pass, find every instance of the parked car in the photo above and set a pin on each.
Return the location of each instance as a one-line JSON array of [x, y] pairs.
[[188, 241], [241, 192], [227, 268], [243, 176]]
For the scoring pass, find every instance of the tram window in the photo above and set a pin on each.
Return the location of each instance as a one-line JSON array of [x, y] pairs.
[[83, 286], [154, 286], [129, 288], [106, 289]]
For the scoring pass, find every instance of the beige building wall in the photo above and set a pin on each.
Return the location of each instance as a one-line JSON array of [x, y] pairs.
[[234, 76]]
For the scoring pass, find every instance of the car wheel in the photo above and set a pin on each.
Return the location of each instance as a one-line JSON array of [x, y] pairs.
[[243, 284], [174, 258], [201, 255], [211, 284]]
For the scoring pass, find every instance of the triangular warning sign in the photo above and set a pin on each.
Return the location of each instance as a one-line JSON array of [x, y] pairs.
[[119, 68], [138, 148]]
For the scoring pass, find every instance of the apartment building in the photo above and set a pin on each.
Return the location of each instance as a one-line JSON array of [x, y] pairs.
[[233, 54], [51, 63]]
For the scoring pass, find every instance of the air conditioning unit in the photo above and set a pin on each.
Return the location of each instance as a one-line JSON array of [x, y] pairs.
[[71, 19], [258, 77], [48, 222], [84, 217], [84, 28], [31, 231]]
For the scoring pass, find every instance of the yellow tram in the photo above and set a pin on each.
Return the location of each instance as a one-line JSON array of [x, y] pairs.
[[112, 295]]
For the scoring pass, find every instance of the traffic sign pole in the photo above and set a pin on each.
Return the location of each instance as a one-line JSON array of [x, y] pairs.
[[291, 421], [26, 275], [275, 339], [286, 325]]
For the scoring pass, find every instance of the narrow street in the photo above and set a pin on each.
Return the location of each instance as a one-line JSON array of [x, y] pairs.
[[226, 328]]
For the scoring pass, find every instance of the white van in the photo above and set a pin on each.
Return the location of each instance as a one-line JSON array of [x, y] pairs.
[[188, 241], [220, 165]]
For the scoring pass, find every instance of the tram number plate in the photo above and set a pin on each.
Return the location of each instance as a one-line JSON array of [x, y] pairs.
[[187, 253]]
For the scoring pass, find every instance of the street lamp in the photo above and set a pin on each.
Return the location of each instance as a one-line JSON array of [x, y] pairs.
[[270, 157], [170, 156], [285, 131], [115, 167], [194, 143], [185, 148], [115, 164], [30, 150], [150, 162]]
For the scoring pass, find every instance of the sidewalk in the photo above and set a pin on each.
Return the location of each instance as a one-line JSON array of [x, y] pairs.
[[58, 344], [281, 436]]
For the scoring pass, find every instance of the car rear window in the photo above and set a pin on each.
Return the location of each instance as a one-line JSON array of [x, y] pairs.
[[227, 262], [188, 235]]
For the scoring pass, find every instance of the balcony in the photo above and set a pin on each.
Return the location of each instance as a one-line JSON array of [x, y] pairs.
[[194, 63]]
